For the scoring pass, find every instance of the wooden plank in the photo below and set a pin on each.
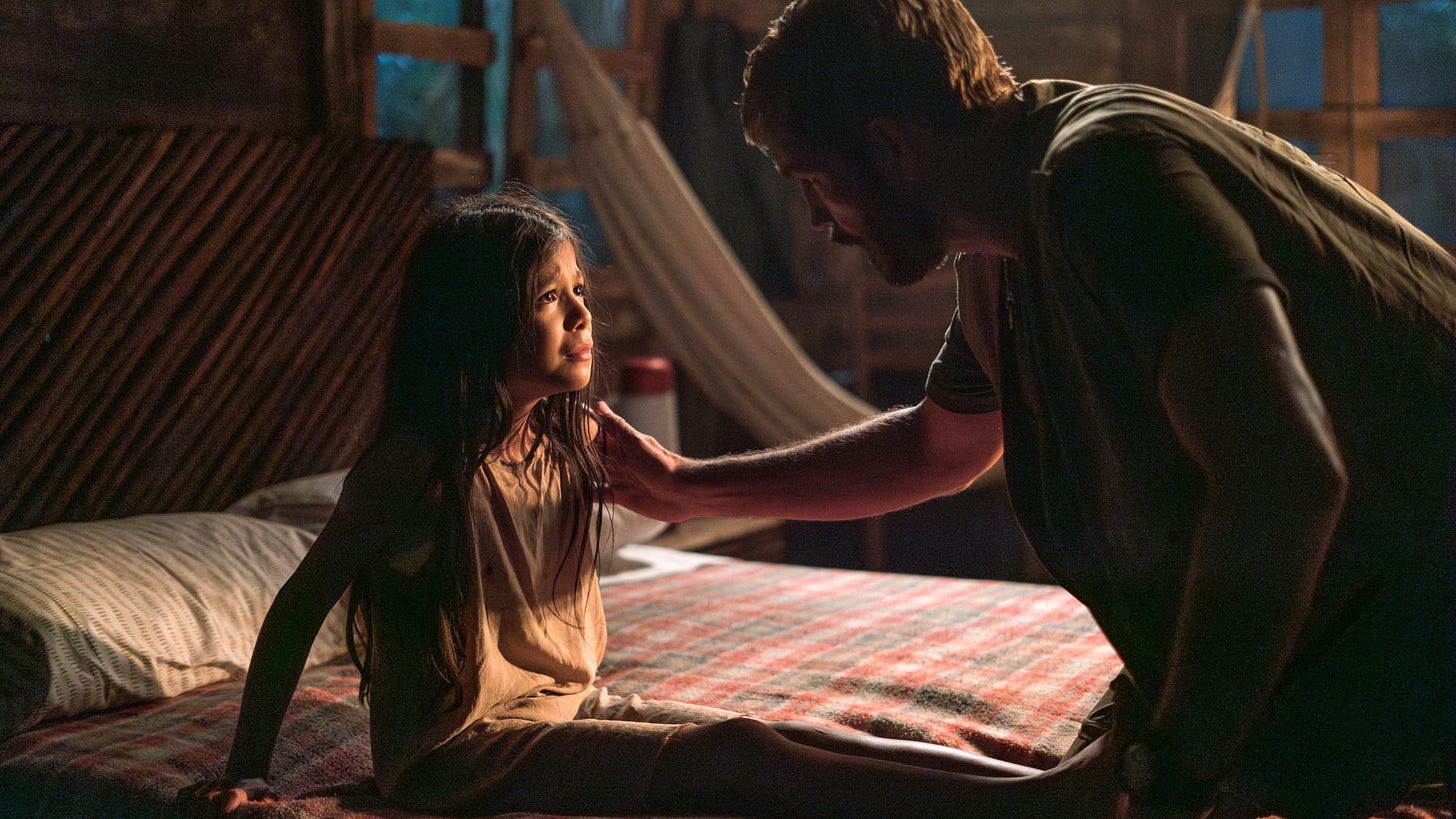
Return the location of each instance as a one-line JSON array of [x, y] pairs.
[[549, 173], [339, 87], [1338, 40], [645, 30], [521, 119], [160, 65], [1394, 123], [460, 168], [471, 135], [446, 44], [1153, 44], [368, 79], [1337, 136], [1293, 123], [629, 64], [1364, 53], [1364, 68]]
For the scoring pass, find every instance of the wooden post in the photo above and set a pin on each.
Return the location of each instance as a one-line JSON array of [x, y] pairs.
[[368, 83], [1352, 87], [471, 135]]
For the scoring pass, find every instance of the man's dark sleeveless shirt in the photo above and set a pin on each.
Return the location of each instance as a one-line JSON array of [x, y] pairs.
[[1144, 206]]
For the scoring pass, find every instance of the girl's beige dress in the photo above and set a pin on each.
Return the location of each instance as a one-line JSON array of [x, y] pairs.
[[532, 731]]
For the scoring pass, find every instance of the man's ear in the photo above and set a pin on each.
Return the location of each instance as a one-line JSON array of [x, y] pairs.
[[896, 150]]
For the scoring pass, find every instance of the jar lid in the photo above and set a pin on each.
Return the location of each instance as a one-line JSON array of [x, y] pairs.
[[646, 375]]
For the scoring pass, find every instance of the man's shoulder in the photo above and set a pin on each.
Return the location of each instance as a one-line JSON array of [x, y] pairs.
[[1069, 99], [1076, 114]]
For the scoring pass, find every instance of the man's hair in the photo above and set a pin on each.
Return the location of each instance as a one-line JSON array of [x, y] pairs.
[[827, 68]]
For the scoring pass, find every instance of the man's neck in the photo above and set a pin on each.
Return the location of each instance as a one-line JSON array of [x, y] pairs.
[[984, 188]]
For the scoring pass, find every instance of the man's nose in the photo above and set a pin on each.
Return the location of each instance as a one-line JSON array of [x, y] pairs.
[[819, 218], [818, 214]]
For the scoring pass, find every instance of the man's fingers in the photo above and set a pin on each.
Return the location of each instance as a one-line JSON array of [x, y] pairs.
[[605, 412]]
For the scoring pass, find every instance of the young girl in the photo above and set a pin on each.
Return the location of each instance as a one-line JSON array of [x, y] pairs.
[[467, 536]]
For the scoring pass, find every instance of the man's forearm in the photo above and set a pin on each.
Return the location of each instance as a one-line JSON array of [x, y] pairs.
[[888, 462], [1253, 568]]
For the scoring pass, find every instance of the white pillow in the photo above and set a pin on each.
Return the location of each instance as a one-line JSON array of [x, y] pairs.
[[304, 502], [107, 613]]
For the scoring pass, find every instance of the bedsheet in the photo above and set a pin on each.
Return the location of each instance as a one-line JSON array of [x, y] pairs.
[[1004, 669]]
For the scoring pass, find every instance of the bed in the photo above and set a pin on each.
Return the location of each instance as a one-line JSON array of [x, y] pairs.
[[191, 331], [995, 667], [999, 668]]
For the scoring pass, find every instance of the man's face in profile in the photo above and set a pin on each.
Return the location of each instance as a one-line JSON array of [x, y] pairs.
[[902, 239]]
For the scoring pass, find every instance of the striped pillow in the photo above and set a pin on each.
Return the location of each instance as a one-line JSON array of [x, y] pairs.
[[303, 502], [108, 613]]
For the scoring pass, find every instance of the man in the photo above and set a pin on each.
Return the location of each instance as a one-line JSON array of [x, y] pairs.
[[1224, 379]]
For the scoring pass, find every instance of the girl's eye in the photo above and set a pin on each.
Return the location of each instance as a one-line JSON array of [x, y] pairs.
[[547, 297], [579, 290]]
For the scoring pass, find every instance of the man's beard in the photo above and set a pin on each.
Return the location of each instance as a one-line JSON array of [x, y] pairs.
[[903, 242]]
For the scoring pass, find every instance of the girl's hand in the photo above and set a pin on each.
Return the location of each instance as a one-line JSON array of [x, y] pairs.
[[220, 797], [642, 475]]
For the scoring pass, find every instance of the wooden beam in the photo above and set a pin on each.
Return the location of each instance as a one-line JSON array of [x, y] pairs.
[[549, 173], [629, 64], [368, 79], [1364, 90], [446, 44], [1397, 123], [1144, 59], [471, 134], [1372, 124], [462, 169], [1352, 83]]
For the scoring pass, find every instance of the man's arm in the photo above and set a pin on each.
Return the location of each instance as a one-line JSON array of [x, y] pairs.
[[888, 462], [1182, 279], [1241, 402]]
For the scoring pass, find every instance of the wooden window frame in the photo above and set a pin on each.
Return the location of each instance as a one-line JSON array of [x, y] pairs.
[[1352, 122], [466, 165], [638, 66]]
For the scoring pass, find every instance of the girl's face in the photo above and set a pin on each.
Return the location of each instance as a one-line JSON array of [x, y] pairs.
[[554, 353]]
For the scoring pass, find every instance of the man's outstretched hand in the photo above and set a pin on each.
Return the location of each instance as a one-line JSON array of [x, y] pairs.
[[642, 475]]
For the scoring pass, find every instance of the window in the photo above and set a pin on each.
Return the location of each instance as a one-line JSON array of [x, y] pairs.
[[1366, 87]]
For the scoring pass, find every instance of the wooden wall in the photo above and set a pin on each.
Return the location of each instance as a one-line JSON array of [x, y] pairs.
[[260, 65]]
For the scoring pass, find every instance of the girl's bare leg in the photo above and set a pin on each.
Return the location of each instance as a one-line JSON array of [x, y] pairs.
[[745, 767]]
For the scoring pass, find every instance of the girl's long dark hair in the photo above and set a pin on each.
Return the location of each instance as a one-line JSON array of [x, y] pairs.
[[463, 308]]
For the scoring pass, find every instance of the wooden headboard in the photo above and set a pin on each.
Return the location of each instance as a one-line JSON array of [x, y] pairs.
[[187, 315]]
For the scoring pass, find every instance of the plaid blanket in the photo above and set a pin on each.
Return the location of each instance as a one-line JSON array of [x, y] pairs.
[[1003, 669], [999, 668]]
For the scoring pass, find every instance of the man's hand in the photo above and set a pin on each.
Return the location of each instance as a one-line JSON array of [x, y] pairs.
[[221, 797], [642, 475]]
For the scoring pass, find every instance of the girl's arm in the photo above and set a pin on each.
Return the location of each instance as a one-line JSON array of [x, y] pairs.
[[380, 501]]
